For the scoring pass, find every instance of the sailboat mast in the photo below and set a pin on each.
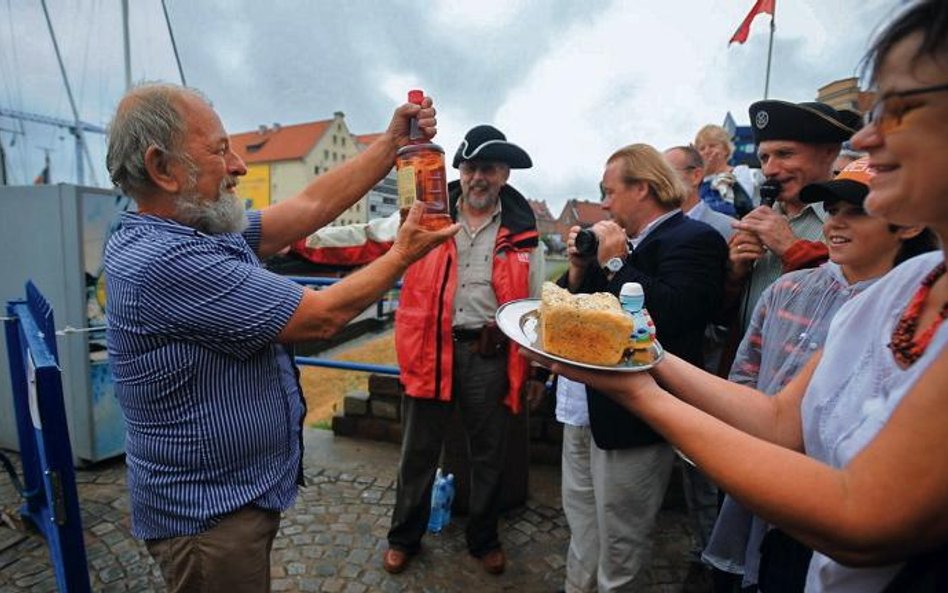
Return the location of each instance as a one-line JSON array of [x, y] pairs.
[[128, 47], [81, 146]]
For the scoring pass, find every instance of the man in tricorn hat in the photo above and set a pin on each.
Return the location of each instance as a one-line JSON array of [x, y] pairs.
[[451, 354], [797, 144]]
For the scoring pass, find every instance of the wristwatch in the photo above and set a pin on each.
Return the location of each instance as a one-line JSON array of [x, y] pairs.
[[613, 265]]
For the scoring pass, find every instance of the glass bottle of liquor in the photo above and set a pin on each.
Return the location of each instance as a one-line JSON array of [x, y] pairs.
[[420, 170]]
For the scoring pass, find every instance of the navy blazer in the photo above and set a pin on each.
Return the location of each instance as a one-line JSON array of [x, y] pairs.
[[680, 265]]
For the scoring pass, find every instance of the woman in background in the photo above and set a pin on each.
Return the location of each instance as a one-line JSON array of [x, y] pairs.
[[726, 189]]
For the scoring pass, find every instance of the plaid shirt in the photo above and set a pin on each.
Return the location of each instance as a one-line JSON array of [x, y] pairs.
[[789, 325]]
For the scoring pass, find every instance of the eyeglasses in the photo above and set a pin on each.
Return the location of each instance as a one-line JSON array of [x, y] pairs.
[[888, 111]]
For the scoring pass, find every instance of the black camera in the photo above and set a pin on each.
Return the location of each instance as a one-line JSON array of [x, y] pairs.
[[586, 243], [769, 190]]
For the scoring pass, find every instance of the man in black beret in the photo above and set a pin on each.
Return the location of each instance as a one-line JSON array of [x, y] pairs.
[[797, 144], [450, 352]]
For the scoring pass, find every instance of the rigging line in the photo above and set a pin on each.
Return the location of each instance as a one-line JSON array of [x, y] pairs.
[[72, 102], [174, 46], [15, 62], [84, 71], [18, 92], [3, 68]]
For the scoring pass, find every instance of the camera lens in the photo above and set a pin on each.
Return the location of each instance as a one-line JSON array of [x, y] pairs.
[[586, 242]]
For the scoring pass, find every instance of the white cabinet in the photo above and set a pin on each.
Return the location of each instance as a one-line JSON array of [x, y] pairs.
[[54, 235]]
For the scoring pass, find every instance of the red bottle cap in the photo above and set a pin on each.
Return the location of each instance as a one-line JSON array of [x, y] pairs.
[[416, 96]]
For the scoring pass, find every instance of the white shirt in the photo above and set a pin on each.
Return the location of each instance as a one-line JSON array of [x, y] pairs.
[[571, 406], [636, 240], [854, 391]]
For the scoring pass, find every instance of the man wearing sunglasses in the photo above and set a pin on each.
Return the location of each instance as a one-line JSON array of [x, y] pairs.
[[797, 144]]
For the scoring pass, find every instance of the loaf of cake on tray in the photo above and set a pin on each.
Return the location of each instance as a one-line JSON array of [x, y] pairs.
[[588, 328]]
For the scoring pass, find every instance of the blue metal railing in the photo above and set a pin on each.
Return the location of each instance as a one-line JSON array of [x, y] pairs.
[[342, 364], [348, 366]]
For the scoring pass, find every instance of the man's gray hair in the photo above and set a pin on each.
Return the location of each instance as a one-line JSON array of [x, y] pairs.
[[149, 115]]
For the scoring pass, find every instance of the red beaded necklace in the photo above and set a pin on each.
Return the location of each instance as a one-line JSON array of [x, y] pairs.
[[904, 346]]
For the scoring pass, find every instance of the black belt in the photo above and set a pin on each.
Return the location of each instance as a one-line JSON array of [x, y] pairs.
[[460, 334]]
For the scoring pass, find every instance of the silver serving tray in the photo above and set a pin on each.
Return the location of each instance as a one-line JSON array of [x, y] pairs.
[[519, 320]]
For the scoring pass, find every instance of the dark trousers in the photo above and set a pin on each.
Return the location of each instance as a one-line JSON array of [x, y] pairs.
[[478, 390]]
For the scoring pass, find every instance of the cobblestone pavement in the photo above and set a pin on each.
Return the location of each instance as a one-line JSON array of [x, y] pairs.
[[333, 539]]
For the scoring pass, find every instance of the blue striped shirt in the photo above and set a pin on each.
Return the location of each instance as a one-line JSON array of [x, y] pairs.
[[212, 404]]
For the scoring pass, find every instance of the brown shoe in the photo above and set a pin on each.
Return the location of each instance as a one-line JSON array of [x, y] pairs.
[[494, 561], [394, 561]]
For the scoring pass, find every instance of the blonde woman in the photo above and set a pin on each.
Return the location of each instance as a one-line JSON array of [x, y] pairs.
[[726, 189]]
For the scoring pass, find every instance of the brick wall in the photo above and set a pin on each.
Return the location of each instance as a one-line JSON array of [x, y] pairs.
[[376, 415]]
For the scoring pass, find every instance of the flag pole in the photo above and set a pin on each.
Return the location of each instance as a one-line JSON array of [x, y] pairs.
[[770, 51]]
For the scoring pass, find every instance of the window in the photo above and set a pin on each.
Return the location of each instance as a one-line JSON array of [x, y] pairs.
[[326, 154], [316, 169]]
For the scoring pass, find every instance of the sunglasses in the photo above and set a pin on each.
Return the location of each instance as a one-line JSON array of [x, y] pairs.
[[887, 113]]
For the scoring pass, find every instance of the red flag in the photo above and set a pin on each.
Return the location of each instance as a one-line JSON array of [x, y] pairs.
[[761, 6], [43, 177]]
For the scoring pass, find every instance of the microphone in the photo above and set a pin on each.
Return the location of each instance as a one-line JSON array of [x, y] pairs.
[[769, 191]]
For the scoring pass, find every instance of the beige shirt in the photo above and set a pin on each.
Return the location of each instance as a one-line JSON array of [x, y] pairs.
[[474, 300]]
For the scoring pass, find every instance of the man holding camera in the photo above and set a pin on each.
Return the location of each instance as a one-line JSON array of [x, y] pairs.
[[797, 144], [680, 264]]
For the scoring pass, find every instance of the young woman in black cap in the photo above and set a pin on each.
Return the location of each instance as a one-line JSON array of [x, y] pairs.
[[851, 457]]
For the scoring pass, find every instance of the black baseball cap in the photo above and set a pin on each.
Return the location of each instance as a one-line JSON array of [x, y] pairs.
[[851, 185]]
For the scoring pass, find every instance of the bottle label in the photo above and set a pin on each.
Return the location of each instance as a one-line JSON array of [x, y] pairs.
[[407, 190]]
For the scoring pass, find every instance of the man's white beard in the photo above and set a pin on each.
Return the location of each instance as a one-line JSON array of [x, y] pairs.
[[223, 215], [482, 201]]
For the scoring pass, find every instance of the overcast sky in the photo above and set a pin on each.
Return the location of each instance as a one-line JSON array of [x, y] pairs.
[[569, 81]]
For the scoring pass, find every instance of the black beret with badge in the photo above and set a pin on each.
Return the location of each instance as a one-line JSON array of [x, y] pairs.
[[812, 122], [487, 143]]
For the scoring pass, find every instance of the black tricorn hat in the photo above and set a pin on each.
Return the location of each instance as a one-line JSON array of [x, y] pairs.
[[487, 143], [813, 123]]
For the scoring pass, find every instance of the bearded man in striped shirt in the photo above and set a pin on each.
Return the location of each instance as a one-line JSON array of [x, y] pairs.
[[198, 330]]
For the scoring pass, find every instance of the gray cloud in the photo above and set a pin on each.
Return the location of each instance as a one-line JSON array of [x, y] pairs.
[[570, 81]]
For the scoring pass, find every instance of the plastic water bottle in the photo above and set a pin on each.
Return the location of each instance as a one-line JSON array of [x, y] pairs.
[[448, 500], [442, 496], [632, 299]]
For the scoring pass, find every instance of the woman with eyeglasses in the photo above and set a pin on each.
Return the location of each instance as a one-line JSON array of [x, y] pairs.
[[851, 457], [790, 322]]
